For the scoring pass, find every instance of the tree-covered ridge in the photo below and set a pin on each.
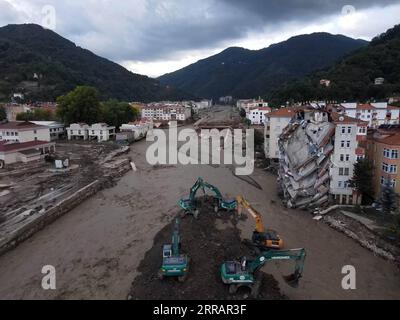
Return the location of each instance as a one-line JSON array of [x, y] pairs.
[[246, 73], [45, 65], [353, 78]]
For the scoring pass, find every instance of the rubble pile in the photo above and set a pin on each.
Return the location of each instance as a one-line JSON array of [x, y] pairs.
[[306, 145]]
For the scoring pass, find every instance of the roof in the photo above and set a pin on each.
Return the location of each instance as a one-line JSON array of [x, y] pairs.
[[365, 107], [393, 139], [6, 147], [343, 119], [283, 113], [393, 108], [20, 125]]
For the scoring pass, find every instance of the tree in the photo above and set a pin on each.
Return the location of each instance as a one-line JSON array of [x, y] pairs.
[[116, 113], [36, 115], [362, 179], [242, 113], [80, 105], [3, 113], [388, 198]]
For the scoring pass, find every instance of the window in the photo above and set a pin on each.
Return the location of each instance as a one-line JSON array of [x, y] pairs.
[[344, 172], [362, 130], [391, 154], [342, 157], [389, 168], [348, 144], [343, 130], [349, 130], [340, 184], [342, 143]]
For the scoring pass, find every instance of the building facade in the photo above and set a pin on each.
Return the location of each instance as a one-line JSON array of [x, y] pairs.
[[78, 131], [101, 132], [275, 122], [383, 150], [350, 135], [57, 129], [23, 131], [167, 112], [258, 116]]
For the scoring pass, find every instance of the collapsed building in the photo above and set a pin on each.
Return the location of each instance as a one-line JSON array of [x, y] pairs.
[[305, 147], [318, 150]]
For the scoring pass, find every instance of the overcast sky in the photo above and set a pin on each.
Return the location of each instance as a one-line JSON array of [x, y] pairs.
[[154, 37]]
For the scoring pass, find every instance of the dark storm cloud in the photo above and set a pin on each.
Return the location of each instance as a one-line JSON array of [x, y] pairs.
[[147, 30], [276, 10]]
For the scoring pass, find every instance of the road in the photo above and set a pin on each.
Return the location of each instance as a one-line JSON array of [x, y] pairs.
[[97, 247]]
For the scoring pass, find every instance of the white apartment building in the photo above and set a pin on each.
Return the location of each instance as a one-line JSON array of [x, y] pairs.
[[349, 133], [248, 104], [167, 112], [57, 129], [258, 116], [78, 131], [23, 131], [376, 114], [276, 121], [101, 132]]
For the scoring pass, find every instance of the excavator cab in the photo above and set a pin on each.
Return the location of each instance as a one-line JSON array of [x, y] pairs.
[[167, 251]]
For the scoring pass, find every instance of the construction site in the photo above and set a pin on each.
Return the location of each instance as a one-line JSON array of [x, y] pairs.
[[183, 231]]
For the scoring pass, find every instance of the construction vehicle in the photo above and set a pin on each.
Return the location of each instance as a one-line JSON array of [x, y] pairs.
[[191, 205], [175, 264], [242, 273], [262, 238]]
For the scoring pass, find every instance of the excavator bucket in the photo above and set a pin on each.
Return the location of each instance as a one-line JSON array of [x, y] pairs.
[[293, 279]]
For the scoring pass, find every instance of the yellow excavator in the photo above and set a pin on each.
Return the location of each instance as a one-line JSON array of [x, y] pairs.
[[262, 237]]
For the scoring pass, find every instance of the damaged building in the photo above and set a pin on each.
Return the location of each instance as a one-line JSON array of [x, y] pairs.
[[318, 150]]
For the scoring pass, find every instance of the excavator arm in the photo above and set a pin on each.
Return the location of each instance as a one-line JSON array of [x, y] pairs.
[[298, 255], [242, 203]]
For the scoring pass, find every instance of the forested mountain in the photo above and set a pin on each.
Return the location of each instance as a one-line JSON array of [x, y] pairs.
[[44, 65], [353, 78], [245, 73]]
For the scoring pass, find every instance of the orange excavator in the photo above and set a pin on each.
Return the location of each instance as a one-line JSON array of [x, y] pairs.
[[263, 238]]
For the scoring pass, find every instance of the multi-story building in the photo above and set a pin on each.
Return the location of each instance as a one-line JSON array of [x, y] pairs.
[[78, 131], [376, 114], [249, 104], [350, 133], [23, 131], [258, 116], [57, 129], [101, 132], [383, 149], [275, 122], [167, 111]]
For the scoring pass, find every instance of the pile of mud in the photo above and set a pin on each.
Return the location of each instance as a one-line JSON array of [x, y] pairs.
[[209, 242]]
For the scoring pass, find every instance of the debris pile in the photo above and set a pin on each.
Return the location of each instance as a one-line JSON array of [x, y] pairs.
[[306, 145], [209, 242]]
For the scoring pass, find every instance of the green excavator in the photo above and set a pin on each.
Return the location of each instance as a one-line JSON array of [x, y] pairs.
[[242, 273], [191, 205], [175, 264]]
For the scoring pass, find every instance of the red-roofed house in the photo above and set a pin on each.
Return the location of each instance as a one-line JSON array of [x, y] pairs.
[[23, 131]]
